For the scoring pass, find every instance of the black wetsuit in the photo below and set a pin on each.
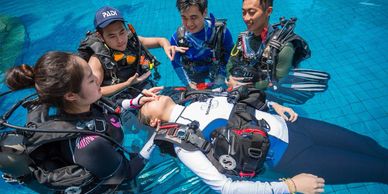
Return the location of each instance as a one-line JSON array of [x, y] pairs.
[[99, 156], [336, 146]]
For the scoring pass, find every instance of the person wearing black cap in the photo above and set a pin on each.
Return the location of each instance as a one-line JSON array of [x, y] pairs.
[[117, 56]]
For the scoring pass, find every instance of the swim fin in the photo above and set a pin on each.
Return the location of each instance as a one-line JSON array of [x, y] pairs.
[[288, 95], [298, 86], [306, 80]]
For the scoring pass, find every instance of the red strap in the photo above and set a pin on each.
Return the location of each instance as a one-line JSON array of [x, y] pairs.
[[263, 34], [180, 88], [247, 174], [248, 130], [203, 86], [169, 126], [118, 110]]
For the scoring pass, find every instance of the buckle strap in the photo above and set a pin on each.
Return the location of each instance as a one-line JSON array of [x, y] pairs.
[[186, 134], [198, 141], [240, 107], [264, 125]]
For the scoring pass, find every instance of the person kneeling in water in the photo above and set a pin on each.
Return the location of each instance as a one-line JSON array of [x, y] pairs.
[[62, 157], [299, 145]]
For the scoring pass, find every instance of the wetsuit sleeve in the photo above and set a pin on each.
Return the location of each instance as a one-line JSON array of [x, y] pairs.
[[176, 63], [148, 148], [197, 162], [284, 65], [132, 104], [100, 157]]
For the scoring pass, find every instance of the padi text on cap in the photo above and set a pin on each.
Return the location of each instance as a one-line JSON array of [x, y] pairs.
[[106, 15]]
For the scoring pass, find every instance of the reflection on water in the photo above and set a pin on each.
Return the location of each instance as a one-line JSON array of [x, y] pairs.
[[12, 36]]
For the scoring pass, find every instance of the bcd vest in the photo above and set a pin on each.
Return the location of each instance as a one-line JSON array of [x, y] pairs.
[[261, 65], [35, 155], [118, 71], [214, 44]]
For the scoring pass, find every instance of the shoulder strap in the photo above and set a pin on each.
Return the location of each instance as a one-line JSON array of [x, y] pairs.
[[253, 97], [185, 136], [47, 127], [93, 45], [216, 44]]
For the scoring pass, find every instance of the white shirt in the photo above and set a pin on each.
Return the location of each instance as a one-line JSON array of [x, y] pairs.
[[215, 111]]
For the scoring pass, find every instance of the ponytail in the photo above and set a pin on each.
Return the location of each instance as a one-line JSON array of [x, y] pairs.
[[20, 77], [54, 74]]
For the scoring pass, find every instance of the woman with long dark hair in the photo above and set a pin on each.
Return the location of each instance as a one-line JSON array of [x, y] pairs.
[[64, 159]]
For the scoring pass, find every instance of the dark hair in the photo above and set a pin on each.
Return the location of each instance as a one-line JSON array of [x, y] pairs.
[[265, 3], [101, 30], [55, 74], [142, 118], [20, 77], [183, 5]]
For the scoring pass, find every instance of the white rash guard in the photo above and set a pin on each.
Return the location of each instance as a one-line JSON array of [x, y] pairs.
[[212, 114]]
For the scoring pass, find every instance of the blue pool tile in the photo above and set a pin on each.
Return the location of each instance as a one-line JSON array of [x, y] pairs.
[[384, 187], [378, 134], [350, 49], [383, 122], [365, 116], [376, 188], [340, 189], [360, 190], [357, 107], [373, 126], [378, 113], [360, 127], [329, 189]]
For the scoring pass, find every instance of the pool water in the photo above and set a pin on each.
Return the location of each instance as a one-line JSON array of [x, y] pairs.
[[348, 39]]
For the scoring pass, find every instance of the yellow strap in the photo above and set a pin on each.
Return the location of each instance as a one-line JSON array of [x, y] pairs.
[[234, 51]]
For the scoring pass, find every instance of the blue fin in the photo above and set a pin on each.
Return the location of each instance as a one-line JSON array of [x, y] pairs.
[[306, 80], [298, 86]]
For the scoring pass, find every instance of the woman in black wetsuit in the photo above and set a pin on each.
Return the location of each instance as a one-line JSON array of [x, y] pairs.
[[65, 81]]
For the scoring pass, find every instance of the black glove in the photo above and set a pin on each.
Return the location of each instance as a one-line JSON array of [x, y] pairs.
[[250, 74]]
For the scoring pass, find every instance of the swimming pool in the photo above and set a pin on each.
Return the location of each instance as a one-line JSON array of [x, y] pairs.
[[347, 39]]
